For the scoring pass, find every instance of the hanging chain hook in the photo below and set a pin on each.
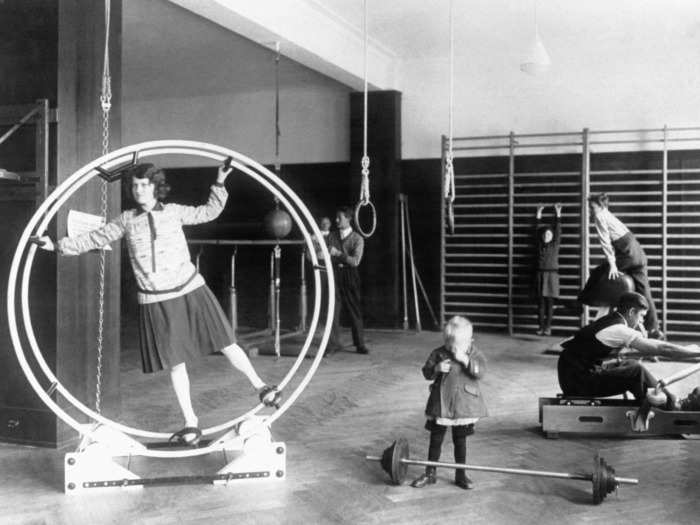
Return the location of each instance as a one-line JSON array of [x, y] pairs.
[[106, 104]]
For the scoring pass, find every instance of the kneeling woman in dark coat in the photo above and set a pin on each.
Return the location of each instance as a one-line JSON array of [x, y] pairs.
[[623, 254], [455, 397], [581, 367]]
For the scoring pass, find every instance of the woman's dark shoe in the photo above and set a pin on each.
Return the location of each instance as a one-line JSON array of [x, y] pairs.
[[188, 437], [270, 396], [427, 478]]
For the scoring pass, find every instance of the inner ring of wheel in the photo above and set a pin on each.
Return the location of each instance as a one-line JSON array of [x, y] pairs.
[[50, 207]]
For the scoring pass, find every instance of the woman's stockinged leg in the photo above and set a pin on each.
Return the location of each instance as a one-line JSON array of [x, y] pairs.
[[181, 385], [238, 358], [549, 313], [541, 312]]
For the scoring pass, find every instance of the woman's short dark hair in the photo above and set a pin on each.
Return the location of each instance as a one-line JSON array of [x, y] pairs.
[[629, 300], [601, 199], [155, 175], [544, 229], [346, 210]]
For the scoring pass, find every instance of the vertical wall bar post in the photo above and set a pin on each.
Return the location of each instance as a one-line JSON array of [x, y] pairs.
[[664, 233], [585, 226], [511, 203]]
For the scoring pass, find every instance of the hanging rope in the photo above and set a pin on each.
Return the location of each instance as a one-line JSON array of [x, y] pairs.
[[278, 133], [106, 104], [449, 176], [364, 185]]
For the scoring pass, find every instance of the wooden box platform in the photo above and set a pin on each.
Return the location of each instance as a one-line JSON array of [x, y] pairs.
[[560, 415]]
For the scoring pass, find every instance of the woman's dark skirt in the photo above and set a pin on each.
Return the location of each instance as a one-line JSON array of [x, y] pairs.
[[182, 330], [547, 284]]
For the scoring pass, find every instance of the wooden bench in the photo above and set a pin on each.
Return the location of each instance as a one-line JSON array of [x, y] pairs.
[[609, 416]]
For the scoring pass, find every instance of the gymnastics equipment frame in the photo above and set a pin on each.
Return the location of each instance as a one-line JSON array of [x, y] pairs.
[[272, 330], [40, 116], [93, 465], [651, 175]]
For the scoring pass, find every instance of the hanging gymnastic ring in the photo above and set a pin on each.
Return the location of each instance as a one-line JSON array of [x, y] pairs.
[[362, 204], [49, 208]]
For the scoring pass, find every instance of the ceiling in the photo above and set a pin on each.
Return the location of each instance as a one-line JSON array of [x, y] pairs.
[[420, 28], [400, 31]]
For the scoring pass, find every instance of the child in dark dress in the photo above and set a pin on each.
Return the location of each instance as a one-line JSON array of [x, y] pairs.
[[548, 240], [455, 399]]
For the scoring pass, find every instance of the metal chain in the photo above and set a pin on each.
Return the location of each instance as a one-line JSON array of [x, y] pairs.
[[106, 104]]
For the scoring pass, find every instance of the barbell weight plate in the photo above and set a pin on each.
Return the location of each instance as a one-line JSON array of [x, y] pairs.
[[598, 494], [603, 479], [398, 467]]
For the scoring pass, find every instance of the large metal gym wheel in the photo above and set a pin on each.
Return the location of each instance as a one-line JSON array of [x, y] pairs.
[[24, 257]]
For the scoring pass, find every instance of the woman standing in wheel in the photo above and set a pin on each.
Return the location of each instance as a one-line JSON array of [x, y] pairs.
[[180, 319]]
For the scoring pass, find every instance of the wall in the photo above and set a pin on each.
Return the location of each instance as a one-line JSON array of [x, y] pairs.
[[635, 69], [188, 78]]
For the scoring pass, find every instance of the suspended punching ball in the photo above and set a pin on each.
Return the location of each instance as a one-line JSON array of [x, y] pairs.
[[278, 223]]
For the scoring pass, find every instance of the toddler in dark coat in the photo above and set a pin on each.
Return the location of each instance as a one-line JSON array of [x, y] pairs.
[[455, 399]]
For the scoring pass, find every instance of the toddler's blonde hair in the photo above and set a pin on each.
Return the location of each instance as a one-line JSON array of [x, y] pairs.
[[458, 332]]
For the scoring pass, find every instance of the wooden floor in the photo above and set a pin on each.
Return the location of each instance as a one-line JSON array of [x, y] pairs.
[[357, 405]]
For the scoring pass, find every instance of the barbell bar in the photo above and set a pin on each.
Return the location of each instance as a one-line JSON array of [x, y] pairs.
[[396, 459]]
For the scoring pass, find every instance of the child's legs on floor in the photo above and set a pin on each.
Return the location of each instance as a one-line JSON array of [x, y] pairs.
[[437, 435], [459, 440]]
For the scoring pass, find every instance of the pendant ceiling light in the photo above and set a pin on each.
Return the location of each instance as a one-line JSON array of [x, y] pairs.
[[537, 60]]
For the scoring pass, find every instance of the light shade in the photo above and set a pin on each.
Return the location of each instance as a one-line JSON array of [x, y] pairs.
[[537, 60]]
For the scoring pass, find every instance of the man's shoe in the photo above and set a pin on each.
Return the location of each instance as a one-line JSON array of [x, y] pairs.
[[547, 331], [427, 478], [332, 349], [362, 350]]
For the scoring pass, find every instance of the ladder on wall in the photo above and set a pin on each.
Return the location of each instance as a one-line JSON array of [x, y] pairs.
[[487, 269]]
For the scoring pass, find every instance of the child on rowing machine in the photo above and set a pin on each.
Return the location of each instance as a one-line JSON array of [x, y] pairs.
[[455, 398]]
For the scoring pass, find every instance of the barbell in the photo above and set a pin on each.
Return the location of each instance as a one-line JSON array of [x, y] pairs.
[[396, 459]]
